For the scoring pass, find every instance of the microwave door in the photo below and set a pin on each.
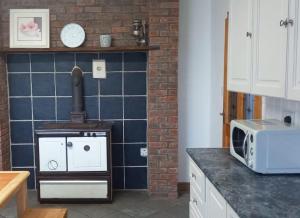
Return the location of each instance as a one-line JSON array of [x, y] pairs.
[[239, 142]]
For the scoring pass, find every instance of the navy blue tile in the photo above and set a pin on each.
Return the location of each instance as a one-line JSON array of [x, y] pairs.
[[135, 130], [31, 179], [136, 177], [135, 83], [38, 124], [112, 85], [42, 63], [20, 109], [118, 177], [117, 132], [85, 61], [44, 108], [18, 63], [91, 107], [113, 61], [63, 84], [135, 108], [64, 62], [132, 155], [22, 155], [135, 61], [64, 108], [43, 84], [111, 107], [19, 84], [21, 132], [117, 154], [90, 85]]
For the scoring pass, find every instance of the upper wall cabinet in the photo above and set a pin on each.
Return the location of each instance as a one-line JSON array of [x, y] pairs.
[[266, 34], [293, 90], [270, 46], [240, 45]]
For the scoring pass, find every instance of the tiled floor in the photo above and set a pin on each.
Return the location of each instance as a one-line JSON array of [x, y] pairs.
[[125, 205]]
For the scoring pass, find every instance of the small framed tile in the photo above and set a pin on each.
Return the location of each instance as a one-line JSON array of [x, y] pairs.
[[136, 177], [44, 108], [91, 107], [112, 85], [85, 61], [21, 132], [135, 107], [64, 62], [42, 63], [135, 131], [135, 61], [43, 84], [135, 83], [22, 155], [117, 132], [63, 84], [111, 108], [20, 109], [18, 63], [31, 178], [117, 154], [132, 155], [19, 84], [113, 61], [64, 108], [118, 177], [90, 85]]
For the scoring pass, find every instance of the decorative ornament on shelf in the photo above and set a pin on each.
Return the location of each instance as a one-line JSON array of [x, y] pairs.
[[140, 32], [72, 35]]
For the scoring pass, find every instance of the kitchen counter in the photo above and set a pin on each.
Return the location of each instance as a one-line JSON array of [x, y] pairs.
[[251, 195]]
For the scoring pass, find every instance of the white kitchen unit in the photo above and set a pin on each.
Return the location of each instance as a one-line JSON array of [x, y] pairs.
[[293, 89], [205, 199], [264, 25], [240, 36], [270, 47]]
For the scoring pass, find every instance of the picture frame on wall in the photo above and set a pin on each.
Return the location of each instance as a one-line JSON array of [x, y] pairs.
[[29, 28]]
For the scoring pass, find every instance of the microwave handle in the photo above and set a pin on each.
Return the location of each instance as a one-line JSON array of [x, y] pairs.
[[244, 144]]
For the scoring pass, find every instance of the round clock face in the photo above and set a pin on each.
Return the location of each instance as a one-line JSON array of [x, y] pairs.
[[72, 35]]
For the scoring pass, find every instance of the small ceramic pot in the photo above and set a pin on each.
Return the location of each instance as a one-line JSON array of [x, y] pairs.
[[105, 41]]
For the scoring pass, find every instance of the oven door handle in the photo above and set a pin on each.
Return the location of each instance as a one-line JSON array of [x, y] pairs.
[[244, 145]]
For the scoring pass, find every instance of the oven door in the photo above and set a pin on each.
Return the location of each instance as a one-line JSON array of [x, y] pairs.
[[87, 153], [239, 144]]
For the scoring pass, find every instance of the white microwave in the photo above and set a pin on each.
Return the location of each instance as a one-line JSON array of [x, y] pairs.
[[266, 146]]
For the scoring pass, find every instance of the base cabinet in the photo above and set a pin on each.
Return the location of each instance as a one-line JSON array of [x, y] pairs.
[[205, 199]]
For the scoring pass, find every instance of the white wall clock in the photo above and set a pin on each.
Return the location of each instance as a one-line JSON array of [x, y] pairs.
[[72, 35]]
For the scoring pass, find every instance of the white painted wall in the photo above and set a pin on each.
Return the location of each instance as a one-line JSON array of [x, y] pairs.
[[201, 57], [194, 81]]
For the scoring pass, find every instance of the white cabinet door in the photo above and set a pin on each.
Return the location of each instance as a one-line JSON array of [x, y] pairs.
[[240, 46], [52, 154], [87, 153], [231, 213], [293, 89], [215, 203], [270, 47]]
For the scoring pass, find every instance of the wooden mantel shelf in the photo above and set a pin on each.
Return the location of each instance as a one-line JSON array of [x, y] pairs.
[[80, 49]]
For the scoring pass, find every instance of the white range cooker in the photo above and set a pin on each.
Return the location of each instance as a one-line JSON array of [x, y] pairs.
[[74, 162]]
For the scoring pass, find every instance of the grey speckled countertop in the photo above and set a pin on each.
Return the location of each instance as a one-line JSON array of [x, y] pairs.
[[251, 195]]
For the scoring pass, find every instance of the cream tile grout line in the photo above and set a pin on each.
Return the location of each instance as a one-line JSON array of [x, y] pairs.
[[9, 118], [123, 146], [55, 93], [99, 95]]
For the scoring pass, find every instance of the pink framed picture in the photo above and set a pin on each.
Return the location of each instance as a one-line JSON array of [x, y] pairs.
[[29, 28]]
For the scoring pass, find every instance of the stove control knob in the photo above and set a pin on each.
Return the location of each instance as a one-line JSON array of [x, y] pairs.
[[94, 134], [88, 134], [69, 144]]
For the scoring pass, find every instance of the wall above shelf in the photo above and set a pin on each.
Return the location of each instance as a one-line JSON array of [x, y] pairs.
[[80, 49]]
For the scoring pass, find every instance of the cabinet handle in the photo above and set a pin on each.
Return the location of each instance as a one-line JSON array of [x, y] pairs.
[[195, 201], [193, 176], [248, 34], [286, 22], [69, 144]]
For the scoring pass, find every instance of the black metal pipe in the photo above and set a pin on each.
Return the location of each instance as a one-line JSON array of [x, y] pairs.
[[77, 99]]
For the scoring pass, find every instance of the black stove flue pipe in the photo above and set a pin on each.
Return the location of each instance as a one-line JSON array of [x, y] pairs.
[[77, 114]]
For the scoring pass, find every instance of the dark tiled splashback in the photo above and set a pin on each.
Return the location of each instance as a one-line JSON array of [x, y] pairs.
[[40, 90]]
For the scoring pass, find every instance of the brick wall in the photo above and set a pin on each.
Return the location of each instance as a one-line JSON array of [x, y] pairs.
[[115, 17]]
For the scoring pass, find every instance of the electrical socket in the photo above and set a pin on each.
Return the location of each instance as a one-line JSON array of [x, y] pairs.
[[289, 113], [144, 152]]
